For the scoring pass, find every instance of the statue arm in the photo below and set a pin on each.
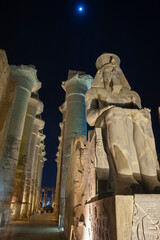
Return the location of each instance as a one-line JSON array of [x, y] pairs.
[[136, 99], [91, 114], [92, 109]]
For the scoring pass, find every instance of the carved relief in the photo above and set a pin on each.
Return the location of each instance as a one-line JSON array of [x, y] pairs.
[[99, 222], [146, 217]]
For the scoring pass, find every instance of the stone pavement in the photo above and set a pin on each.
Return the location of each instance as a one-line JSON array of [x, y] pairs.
[[39, 227]]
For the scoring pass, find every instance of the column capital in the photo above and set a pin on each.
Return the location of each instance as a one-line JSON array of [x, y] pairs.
[[43, 136], [59, 147], [62, 108], [25, 76], [35, 103], [61, 124], [42, 145], [57, 154], [43, 153], [60, 138], [83, 79], [42, 160], [38, 123]]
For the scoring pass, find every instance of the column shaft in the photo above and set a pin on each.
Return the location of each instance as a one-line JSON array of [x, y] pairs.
[[38, 192], [59, 160], [25, 78], [75, 124], [36, 137], [22, 180]]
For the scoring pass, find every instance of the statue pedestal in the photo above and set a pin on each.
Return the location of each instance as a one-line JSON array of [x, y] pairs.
[[127, 217]]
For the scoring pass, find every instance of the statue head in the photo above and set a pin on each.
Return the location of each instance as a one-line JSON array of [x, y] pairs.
[[108, 69]]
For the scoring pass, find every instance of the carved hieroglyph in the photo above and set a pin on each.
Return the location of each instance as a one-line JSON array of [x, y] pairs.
[[126, 128], [76, 184], [146, 217]]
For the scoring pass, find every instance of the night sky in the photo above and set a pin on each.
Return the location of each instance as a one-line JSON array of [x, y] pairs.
[[55, 37]]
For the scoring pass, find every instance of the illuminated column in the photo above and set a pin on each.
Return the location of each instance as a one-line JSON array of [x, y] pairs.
[[40, 171], [59, 161], [38, 154], [76, 86], [26, 81], [58, 181], [40, 176], [40, 197], [25, 182], [53, 198], [40, 166], [36, 137], [34, 173], [45, 198], [34, 107]]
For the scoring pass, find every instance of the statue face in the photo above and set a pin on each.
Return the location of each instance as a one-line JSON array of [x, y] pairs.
[[111, 75]]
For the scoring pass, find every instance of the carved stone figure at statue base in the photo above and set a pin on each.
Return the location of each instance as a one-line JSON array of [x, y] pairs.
[[126, 128]]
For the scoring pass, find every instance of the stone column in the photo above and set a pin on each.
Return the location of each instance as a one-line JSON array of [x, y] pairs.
[[38, 154], [41, 165], [36, 137], [76, 86], [59, 154], [53, 198], [45, 198], [34, 107], [40, 198], [34, 183], [26, 80], [20, 198], [39, 175]]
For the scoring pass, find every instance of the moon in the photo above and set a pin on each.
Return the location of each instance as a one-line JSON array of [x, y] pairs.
[[80, 9]]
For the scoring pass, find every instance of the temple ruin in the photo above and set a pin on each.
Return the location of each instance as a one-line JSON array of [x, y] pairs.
[[108, 183]]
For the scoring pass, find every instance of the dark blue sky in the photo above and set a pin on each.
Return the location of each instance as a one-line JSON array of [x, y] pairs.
[[54, 37]]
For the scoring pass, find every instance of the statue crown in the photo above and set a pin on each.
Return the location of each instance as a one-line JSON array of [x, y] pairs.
[[107, 58]]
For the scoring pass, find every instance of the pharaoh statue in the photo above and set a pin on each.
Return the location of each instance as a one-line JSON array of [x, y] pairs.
[[126, 128]]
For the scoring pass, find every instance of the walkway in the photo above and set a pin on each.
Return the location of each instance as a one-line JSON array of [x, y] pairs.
[[39, 227]]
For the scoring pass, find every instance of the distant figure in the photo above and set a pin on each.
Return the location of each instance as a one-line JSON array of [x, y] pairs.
[[126, 127]]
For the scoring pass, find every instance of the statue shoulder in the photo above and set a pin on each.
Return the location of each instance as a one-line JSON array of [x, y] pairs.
[[134, 96], [91, 93], [130, 92]]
